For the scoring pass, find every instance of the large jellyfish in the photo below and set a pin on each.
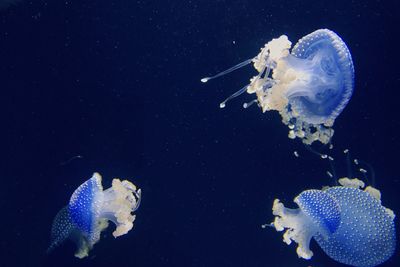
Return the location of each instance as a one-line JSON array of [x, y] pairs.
[[89, 210], [309, 87], [348, 223]]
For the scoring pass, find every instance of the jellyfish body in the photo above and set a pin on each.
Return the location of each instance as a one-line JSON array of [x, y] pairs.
[[349, 224], [89, 210], [309, 86]]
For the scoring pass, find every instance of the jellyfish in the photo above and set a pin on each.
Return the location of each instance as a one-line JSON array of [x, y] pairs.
[[309, 86], [348, 223], [90, 209]]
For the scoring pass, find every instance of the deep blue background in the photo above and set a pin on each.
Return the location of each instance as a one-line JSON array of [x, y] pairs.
[[117, 82]]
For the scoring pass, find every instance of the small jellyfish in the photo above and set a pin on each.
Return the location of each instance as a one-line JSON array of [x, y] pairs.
[[89, 210], [309, 86], [348, 223]]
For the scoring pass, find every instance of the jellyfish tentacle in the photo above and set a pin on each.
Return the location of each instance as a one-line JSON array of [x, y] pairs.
[[332, 167], [371, 171], [348, 163], [236, 94], [332, 172], [238, 66], [248, 104]]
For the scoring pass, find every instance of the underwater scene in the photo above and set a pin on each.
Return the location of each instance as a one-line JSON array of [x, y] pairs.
[[200, 133]]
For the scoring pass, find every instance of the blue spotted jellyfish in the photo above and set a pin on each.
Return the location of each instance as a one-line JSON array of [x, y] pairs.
[[89, 210], [309, 86], [348, 223]]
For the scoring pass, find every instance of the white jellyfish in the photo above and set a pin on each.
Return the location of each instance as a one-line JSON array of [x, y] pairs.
[[309, 86], [348, 223], [89, 210]]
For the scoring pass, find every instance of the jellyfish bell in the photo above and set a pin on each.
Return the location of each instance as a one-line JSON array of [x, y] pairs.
[[309, 86], [350, 224]]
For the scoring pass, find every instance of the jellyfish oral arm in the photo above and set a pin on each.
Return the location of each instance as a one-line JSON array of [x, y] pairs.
[[300, 228], [272, 52], [118, 202]]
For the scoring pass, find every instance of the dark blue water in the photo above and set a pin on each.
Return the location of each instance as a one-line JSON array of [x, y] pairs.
[[118, 84]]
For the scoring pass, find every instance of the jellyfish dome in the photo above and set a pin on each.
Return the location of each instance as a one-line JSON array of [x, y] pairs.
[[309, 86], [348, 223], [89, 210]]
